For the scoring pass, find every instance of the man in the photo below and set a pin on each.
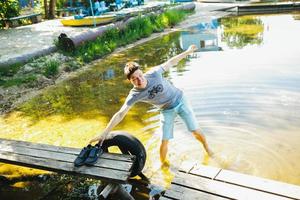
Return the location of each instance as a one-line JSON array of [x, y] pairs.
[[153, 88]]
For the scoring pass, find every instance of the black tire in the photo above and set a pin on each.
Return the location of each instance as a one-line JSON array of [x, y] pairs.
[[65, 42], [128, 144]]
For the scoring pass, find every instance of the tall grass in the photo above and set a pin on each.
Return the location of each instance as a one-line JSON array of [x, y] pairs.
[[138, 28], [51, 68], [18, 81]]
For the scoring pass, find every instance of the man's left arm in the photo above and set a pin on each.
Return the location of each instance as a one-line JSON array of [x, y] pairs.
[[175, 60]]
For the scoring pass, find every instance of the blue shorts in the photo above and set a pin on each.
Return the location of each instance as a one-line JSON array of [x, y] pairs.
[[167, 117]]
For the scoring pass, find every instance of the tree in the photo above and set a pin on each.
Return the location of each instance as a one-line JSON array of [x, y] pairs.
[[49, 9], [9, 8]]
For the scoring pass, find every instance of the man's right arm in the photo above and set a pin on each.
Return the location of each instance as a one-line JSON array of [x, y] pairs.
[[114, 121]]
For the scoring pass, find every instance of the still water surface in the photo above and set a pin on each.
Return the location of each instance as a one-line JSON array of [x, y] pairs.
[[243, 84]]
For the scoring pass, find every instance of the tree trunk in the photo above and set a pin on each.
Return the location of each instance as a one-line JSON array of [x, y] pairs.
[[52, 6], [46, 9]]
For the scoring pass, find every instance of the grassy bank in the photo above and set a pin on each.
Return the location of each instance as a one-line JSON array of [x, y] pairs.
[[141, 27], [51, 67]]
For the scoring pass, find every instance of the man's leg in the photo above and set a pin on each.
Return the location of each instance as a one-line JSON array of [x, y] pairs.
[[201, 138], [188, 116], [167, 125], [163, 150]]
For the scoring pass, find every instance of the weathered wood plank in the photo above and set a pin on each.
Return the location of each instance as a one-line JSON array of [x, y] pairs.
[[187, 166], [202, 170], [221, 188], [102, 162], [262, 184], [110, 188], [65, 167], [173, 194], [180, 192], [69, 150], [164, 198]]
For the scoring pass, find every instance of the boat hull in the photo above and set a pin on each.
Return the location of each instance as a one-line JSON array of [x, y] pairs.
[[88, 21]]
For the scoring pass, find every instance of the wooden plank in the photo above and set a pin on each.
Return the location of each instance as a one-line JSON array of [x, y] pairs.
[[110, 188], [203, 170], [180, 192], [164, 198], [262, 184], [187, 166], [102, 162], [70, 150], [221, 188], [24, 16], [65, 167]]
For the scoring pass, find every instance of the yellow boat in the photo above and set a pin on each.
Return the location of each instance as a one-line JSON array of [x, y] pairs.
[[88, 21]]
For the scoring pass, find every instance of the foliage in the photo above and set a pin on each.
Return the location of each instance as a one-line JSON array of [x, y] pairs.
[[51, 68], [138, 28], [9, 8], [60, 3], [241, 31], [10, 71], [18, 81]]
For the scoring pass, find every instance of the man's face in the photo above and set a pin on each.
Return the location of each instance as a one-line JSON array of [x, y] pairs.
[[138, 80]]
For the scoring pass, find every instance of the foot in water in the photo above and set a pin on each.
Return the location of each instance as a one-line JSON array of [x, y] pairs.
[[165, 164], [217, 159], [210, 153]]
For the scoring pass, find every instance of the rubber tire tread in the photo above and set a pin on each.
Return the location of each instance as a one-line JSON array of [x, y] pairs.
[[128, 144]]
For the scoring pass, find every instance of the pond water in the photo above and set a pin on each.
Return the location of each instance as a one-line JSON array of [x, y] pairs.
[[243, 84]]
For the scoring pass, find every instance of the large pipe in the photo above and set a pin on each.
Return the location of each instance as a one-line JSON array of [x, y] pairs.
[[69, 43]]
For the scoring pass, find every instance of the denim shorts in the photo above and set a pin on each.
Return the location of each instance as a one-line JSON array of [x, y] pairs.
[[167, 117]]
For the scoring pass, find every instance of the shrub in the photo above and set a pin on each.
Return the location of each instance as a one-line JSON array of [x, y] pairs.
[[51, 68], [9, 8]]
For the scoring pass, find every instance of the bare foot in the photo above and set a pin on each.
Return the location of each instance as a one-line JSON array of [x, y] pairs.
[[165, 164], [210, 153]]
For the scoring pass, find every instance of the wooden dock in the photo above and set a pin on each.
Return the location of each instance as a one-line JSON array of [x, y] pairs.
[[205, 182], [268, 7], [112, 169]]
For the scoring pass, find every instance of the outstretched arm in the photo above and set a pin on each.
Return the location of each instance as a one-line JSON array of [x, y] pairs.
[[174, 60], [114, 121]]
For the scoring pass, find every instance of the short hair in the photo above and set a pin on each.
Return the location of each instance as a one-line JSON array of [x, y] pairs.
[[130, 68]]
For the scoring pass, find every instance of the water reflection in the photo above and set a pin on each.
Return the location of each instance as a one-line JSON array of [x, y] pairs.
[[239, 32], [203, 35], [246, 101]]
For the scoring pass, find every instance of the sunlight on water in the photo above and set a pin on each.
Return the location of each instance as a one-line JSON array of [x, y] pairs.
[[246, 101], [244, 89]]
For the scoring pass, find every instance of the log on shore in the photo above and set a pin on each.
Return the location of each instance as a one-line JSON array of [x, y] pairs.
[[69, 43]]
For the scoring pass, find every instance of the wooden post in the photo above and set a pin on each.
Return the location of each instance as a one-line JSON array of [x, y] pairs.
[[123, 193], [112, 188], [202, 44], [109, 188]]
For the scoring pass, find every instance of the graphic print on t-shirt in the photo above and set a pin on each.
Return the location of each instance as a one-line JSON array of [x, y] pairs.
[[155, 89]]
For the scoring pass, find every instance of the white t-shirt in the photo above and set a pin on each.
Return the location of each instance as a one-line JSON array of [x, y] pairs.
[[159, 91]]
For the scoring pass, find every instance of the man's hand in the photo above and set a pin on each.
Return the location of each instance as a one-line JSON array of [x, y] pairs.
[[96, 139], [192, 48]]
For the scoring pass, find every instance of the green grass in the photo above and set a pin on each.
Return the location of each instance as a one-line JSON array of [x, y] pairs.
[[51, 68], [10, 71], [141, 27], [18, 81]]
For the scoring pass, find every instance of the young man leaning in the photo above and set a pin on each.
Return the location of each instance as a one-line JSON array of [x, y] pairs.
[[154, 89]]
